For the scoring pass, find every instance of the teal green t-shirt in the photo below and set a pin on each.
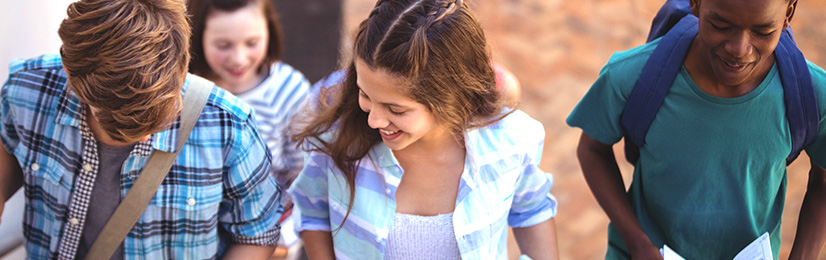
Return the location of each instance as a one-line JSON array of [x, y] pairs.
[[712, 174]]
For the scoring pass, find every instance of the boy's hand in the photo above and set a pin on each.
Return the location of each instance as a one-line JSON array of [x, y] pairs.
[[647, 252], [11, 177]]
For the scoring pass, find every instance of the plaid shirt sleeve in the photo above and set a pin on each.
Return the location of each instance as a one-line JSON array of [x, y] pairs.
[[252, 197]]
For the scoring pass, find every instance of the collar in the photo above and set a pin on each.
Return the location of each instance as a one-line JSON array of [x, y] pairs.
[[472, 157], [141, 148], [70, 112], [383, 156], [69, 109]]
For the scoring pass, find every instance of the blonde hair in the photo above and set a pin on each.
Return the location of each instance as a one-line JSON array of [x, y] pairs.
[[128, 59]]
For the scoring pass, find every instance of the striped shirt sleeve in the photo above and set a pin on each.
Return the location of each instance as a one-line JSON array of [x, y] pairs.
[[309, 193], [532, 200]]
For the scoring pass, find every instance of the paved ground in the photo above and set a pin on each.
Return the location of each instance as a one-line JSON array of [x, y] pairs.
[[556, 49]]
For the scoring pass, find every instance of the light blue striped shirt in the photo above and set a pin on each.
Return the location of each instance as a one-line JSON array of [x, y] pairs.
[[501, 186]]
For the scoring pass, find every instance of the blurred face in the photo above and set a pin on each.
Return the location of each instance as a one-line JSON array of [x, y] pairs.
[[235, 44], [401, 121], [737, 37]]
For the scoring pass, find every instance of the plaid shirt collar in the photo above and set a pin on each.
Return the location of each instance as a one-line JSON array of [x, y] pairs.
[[71, 112]]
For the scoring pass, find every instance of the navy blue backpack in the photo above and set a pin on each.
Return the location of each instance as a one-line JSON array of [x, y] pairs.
[[678, 28]]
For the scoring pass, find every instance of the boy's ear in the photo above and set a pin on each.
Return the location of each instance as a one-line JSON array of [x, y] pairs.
[[695, 7], [790, 13]]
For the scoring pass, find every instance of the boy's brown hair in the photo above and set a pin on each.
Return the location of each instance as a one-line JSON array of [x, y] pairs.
[[128, 59]]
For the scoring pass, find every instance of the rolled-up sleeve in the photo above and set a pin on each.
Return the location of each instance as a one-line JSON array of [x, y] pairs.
[[252, 198], [532, 201]]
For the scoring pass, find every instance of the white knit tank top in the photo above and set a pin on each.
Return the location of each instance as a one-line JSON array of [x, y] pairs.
[[422, 237]]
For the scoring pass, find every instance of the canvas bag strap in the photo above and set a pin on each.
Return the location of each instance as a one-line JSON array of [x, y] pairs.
[[150, 178]]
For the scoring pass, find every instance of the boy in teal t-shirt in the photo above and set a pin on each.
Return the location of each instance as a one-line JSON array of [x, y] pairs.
[[711, 176]]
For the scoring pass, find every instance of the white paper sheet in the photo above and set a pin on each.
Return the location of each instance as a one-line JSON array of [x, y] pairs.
[[669, 254], [759, 249]]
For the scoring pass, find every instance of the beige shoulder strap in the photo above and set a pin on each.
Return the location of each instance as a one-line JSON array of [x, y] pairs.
[[150, 178]]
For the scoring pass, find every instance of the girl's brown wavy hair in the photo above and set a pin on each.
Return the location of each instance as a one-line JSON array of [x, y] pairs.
[[438, 47], [128, 59]]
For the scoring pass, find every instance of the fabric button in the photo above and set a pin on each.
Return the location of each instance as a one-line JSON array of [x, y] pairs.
[[74, 221], [35, 167], [190, 202], [387, 191], [87, 167]]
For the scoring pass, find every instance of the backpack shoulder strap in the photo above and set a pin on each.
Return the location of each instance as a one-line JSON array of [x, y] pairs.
[[655, 81], [798, 92], [669, 15]]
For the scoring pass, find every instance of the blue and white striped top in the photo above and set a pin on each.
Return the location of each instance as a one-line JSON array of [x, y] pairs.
[[275, 101], [501, 186]]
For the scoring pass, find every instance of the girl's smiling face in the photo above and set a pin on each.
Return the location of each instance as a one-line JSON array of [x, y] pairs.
[[235, 44], [401, 121]]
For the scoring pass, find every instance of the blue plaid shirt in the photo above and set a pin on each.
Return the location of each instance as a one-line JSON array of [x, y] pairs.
[[217, 192]]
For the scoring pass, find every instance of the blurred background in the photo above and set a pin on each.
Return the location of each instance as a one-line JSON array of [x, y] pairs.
[[554, 47]]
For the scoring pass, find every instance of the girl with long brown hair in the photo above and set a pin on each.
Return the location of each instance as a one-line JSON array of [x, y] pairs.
[[414, 155]]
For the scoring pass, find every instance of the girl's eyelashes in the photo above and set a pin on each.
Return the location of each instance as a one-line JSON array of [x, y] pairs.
[[390, 108], [223, 46], [395, 112]]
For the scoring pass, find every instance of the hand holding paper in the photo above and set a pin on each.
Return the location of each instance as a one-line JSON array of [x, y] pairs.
[[759, 249]]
